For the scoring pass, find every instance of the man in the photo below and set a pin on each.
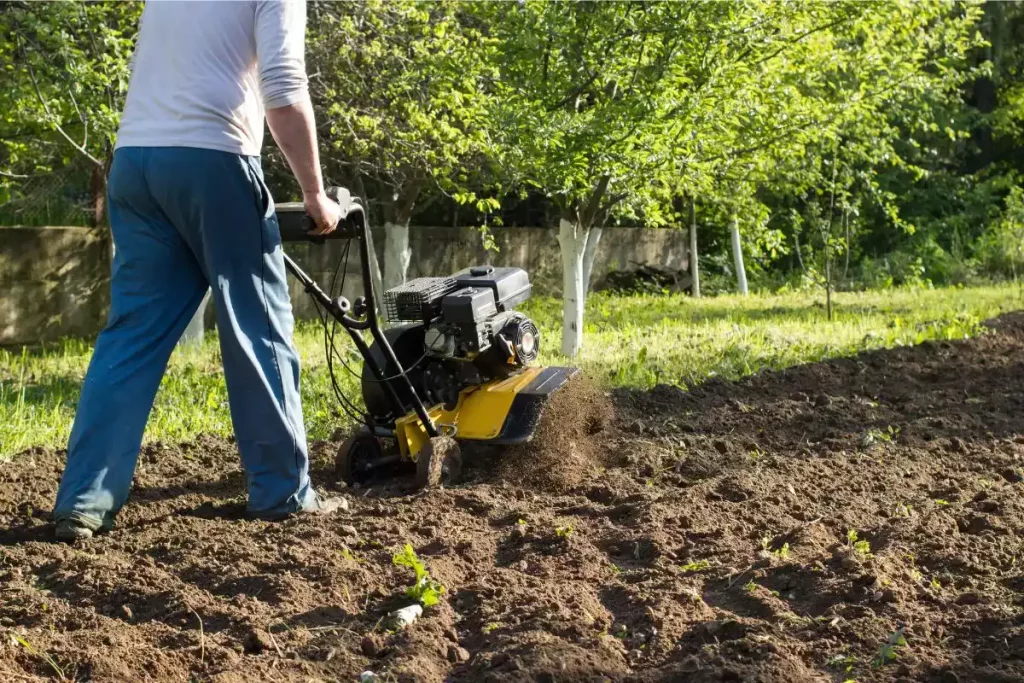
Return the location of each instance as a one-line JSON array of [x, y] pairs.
[[189, 210]]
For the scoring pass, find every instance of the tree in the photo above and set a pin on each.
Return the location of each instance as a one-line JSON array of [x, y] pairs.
[[61, 89], [594, 104], [401, 87]]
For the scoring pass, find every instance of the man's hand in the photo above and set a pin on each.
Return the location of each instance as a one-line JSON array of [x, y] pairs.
[[324, 211]]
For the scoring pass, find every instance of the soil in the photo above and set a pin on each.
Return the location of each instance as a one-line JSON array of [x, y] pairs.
[[711, 542]]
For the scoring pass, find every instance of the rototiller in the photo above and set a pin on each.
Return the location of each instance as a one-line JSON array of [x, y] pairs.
[[455, 365]]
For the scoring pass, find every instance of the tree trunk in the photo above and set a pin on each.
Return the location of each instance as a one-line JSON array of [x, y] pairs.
[[98, 192], [799, 254], [737, 255], [846, 230], [397, 253], [572, 239], [694, 260], [593, 237], [828, 281], [193, 334]]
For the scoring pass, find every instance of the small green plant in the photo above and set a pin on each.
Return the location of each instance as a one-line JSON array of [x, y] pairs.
[[563, 532], [941, 502], [46, 657], [904, 510], [842, 661], [855, 544], [874, 437], [350, 556], [521, 522], [697, 566], [425, 590], [750, 586], [781, 552], [888, 652], [491, 627]]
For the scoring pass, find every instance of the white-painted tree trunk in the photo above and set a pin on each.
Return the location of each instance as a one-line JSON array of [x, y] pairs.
[[193, 334], [593, 238], [694, 260], [737, 255], [572, 240], [376, 277], [397, 254]]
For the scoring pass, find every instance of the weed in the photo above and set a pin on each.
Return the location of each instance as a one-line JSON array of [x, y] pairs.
[[491, 627], [781, 553], [750, 586], [697, 566], [347, 554], [841, 661], [425, 590], [45, 656], [563, 532], [941, 502], [858, 546], [904, 510], [888, 651], [874, 437]]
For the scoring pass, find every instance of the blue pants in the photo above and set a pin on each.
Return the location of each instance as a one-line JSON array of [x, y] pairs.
[[184, 219]]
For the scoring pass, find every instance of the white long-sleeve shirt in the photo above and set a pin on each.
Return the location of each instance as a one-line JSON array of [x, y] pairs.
[[205, 71]]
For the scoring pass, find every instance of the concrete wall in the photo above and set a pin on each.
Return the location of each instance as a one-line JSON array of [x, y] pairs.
[[54, 281]]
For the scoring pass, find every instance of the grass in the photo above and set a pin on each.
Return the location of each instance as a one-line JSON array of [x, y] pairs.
[[636, 341]]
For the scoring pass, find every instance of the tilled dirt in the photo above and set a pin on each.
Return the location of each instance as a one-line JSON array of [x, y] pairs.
[[714, 545]]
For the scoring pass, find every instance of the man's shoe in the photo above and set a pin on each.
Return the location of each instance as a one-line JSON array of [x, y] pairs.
[[325, 506], [69, 531], [321, 505]]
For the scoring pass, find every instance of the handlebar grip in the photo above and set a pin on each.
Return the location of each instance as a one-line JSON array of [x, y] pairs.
[[295, 224]]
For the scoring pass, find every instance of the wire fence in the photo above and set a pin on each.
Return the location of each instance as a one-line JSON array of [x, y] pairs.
[[58, 197]]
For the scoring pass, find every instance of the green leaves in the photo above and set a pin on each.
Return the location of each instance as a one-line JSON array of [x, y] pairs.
[[401, 85], [424, 590]]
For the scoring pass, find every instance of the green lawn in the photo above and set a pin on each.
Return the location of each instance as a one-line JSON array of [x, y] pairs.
[[634, 341]]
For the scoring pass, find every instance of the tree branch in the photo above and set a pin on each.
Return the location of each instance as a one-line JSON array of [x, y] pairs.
[[53, 121]]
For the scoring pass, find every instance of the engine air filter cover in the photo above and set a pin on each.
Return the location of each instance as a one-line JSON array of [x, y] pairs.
[[417, 300]]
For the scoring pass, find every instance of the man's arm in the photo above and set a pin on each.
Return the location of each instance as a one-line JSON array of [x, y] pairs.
[[281, 54], [294, 130]]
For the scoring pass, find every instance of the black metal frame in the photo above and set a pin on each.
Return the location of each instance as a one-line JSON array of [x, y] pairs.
[[354, 226]]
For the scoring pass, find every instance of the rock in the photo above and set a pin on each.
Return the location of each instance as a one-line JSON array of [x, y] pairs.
[[256, 641], [126, 612], [980, 496], [956, 445], [722, 447], [368, 677], [1012, 475], [457, 654], [348, 530], [986, 657], [402, 618], [948, 676], [822, 400]]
